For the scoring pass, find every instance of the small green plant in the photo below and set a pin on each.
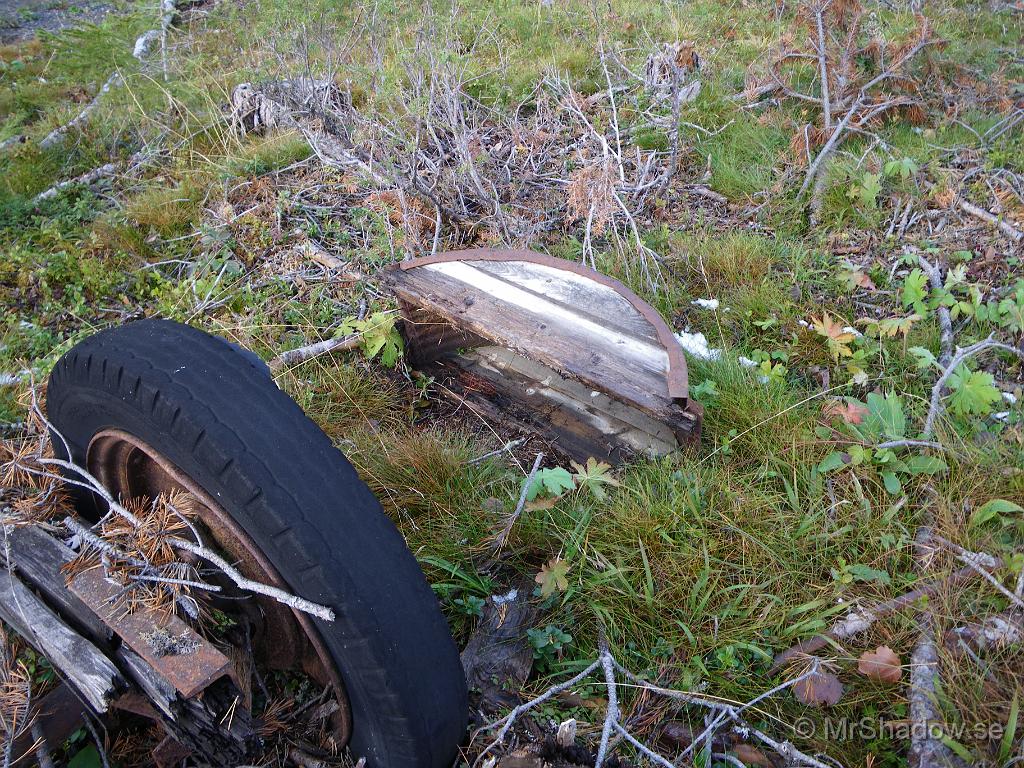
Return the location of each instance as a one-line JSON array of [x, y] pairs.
[[554, 482], [904, 167], [471, 605], [847, 573], [379, 336], [874, 424], [972, 393], [548, 645], [866, 190]]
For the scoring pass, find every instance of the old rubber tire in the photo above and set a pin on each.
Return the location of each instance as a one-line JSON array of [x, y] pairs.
[[221, 420]]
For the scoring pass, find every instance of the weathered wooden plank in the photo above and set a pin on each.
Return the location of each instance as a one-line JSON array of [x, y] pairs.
[[78, 660], [587, 422], [430, 336], [216, 728], [609, 361], [576, 292], [37, 558]]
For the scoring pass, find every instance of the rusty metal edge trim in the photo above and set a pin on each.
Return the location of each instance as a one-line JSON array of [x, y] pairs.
[[676, 376]]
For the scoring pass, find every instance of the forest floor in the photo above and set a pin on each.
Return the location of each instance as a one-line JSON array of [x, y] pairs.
[[834, 248]]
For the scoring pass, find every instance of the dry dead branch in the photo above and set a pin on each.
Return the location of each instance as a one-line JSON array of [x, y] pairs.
[[960, 356], [1008, 229], [722, 714], [447, 169], [302, 354], [861, 78], [140, 546], [859, 621], [926, 747]]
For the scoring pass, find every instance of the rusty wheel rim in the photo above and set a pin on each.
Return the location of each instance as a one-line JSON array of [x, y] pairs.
[[129, 468]]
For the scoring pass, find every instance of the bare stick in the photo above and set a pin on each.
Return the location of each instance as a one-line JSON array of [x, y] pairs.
[[611, 717], [11, 141], [506, 447], [57, 134], [499, 542], [925, 748], [88, 179], [826, 101], [42, 748], [945, 323], [912, 444], [982, 564], [1004, 226], [302, 354], [856, 622], [292, 601], [826, 150]]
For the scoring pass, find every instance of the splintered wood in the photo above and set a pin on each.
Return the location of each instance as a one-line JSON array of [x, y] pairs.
[[551, 347]]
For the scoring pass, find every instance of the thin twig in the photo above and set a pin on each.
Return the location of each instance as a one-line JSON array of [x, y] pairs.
[[302, 354], [499, 542]]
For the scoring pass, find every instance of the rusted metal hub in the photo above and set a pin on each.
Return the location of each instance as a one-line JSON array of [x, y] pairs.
[[282, 638]]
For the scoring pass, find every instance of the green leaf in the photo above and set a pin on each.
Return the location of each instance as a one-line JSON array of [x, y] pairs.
[[88, 757], [594, 476], [1006, 743], [925, 358], [885, 415], [974, 392], [962, 752], [834, 460], [925, 465], [867, 573], [915, 290], [553, 576], [892, 483], [553, 482], [994, 510]]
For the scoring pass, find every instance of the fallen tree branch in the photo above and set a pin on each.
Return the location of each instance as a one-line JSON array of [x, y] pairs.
[[286, 598], [961, 355], [39, 465], [608, 666], [982, 564], [945, 323], [926, 748], [58, 134], [995, 632], [499, 541], [859, 621], [11, 141], [87, 179], [1003, 225], [302, 354]]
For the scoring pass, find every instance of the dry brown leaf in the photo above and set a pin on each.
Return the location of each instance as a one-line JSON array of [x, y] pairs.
[[821, 688], [862, 280], [882, 664], [752, 756], [837, 336], [851, 413]]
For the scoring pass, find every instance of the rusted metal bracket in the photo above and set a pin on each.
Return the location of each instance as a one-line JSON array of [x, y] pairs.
[[188, 662]]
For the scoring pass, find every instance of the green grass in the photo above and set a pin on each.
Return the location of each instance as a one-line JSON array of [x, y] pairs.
[[697, 567]]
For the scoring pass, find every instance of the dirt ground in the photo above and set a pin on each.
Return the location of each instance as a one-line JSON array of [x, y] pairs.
[[21, 19]]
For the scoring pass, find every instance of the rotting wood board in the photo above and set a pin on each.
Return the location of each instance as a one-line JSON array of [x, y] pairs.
[[586, 361]]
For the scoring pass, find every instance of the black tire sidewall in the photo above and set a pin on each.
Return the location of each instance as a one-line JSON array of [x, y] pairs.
[[303, 505]]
